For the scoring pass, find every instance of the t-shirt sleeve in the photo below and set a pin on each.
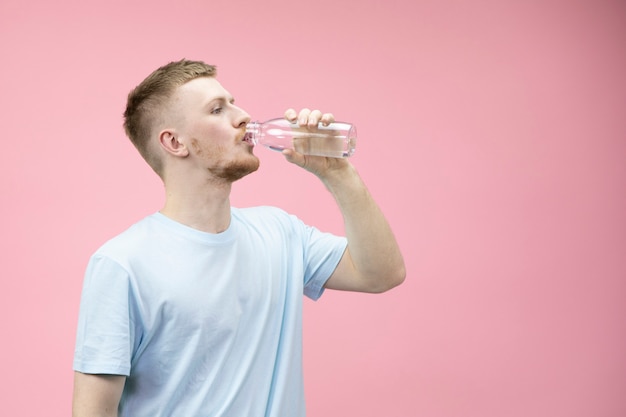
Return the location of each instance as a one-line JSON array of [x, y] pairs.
[[323, 251], [105, 334]]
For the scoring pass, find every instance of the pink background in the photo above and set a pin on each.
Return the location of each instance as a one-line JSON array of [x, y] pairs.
[[492, 133]]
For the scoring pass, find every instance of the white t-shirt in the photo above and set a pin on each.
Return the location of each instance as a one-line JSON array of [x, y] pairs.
[[205, 325]]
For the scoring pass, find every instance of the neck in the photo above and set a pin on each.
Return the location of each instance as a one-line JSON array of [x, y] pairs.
[[205, 206]]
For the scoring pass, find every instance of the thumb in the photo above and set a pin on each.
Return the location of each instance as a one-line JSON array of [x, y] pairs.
[[294, 157]]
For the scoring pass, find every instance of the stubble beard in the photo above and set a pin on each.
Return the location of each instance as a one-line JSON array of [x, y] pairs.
[[236, 170], [231, 171]]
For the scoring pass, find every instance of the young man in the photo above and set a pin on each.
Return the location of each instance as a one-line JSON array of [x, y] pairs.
[[196, 310]]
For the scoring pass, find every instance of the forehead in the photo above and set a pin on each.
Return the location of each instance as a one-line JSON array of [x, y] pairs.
[[201, 90]]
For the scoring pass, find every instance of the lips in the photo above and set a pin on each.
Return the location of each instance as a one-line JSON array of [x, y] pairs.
[[248, 138]]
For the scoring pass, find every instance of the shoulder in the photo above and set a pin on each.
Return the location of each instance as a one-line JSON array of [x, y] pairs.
[[268, 221], [262, 214], [132, 239]]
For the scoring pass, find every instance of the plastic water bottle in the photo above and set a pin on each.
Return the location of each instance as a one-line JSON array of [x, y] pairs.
[[337, 140]]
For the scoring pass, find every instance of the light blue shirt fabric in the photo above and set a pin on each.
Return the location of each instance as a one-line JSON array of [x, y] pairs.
[[205, 325]]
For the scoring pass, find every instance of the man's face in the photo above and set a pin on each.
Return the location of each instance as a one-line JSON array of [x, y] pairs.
[[212, 127]]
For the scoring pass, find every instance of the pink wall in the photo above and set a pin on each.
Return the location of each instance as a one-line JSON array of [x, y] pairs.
[[493, 134]]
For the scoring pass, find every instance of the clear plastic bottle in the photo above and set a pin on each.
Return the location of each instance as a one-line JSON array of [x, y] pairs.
[[337, 140]]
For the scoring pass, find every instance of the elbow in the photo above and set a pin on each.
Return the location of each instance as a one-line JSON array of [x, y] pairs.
[[390, 281], [400, 277], [397, 278]]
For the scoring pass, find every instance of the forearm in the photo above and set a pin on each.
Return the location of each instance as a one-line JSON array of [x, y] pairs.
[[374, 253], [372, 262]]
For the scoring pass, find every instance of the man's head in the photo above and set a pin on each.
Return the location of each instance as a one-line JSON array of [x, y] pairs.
[[148, 101]]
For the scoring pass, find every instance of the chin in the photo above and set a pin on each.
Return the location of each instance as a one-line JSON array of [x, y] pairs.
[[239, 170]]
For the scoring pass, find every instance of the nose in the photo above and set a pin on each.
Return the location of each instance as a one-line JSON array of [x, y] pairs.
[[242, 118]]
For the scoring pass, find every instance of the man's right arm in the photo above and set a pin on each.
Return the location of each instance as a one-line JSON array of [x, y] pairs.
[[97, 395]]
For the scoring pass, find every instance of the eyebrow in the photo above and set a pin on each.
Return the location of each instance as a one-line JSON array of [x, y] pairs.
[[223, 99]]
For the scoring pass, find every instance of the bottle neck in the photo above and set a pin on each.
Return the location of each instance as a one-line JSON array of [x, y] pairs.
[[252, 131]]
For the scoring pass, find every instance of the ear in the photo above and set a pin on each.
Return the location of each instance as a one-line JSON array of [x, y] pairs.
[[169, 141]]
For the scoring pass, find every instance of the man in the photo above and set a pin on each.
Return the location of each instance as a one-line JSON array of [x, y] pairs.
[[196, 310]]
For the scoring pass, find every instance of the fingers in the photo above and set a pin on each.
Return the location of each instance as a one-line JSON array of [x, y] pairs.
[[327, 118], [309, 118], [291, 115]]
